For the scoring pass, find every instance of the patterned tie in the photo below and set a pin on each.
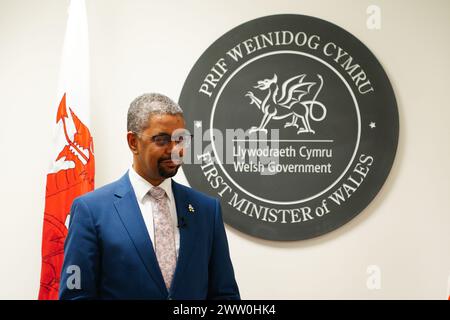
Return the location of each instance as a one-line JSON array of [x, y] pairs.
[[164, 235]]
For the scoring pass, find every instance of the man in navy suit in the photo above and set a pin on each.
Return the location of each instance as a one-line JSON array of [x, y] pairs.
[[146, 236]]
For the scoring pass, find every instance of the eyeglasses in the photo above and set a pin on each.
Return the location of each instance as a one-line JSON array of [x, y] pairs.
[[164, 139]]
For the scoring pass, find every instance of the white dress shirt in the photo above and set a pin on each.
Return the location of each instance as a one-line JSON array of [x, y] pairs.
[[141, 188]]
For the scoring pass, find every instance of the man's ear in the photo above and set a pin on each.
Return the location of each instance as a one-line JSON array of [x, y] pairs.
[[132, 139]]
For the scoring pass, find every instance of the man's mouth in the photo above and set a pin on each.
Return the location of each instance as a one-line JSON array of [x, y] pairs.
[[170, 163]]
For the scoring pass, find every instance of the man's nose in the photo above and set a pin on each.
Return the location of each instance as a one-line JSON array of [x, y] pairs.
[[173, 146]]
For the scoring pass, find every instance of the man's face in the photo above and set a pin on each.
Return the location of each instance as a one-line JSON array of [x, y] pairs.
[[152, 159]]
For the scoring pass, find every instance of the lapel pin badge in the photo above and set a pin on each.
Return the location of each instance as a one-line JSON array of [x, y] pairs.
[[191, 208]]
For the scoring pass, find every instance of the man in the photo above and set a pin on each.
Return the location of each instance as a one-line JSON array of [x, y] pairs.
[[146, 236]]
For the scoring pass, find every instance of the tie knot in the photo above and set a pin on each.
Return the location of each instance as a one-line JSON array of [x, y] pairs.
[[157, 193]]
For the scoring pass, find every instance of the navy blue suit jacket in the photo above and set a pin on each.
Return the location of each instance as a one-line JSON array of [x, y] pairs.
[[108, 241]]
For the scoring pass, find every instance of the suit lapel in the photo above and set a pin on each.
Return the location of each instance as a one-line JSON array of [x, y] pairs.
[[131, 217], [188, 231]]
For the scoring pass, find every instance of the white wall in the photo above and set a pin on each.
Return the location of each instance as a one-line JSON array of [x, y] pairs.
[[142, 46]]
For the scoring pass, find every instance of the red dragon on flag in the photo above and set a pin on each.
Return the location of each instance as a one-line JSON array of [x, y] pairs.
[[73, 176]]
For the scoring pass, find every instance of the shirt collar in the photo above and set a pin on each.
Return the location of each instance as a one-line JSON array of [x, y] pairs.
[[142, 187]]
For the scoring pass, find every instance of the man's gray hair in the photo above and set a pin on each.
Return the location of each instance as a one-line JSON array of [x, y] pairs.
[[146, 105]]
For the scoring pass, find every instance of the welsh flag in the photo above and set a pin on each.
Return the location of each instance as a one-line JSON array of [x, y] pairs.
[[72, 169]]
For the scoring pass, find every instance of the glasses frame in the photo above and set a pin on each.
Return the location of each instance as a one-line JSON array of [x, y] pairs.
[[153, 138]]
